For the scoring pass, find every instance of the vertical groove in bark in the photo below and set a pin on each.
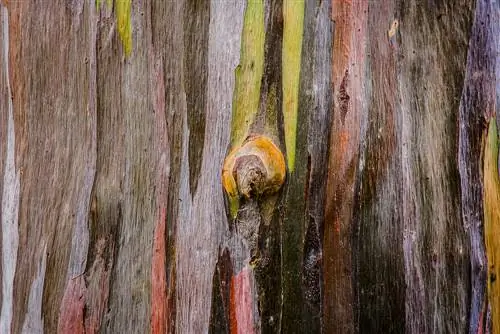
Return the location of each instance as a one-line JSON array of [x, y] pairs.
[[195, 68]]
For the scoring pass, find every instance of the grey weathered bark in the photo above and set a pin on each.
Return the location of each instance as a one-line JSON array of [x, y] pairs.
[[117, 118]]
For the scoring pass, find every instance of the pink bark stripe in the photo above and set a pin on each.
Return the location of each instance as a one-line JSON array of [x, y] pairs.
[[241, 313], [71, 314]]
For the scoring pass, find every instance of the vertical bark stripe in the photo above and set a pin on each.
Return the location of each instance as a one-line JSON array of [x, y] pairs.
[[159, 278], [123, 14], [33, 321], [241, 314], [492, 221], [71, 316], [10, 197], [293, 31], [196, 32], [249, 72], [349, 80]]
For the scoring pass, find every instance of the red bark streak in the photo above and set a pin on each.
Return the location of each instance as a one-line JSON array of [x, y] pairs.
[[71, 313], [159, 278], [97, 293], [480, 329], [348, 65], [162, 303], [241, 312]]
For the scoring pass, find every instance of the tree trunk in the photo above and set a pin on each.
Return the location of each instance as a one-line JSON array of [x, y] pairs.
[[249, 166]]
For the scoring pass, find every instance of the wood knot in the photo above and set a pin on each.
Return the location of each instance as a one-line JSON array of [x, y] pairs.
[[256, 168]]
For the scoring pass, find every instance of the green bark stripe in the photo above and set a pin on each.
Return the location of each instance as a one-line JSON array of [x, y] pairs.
[[122, 9], [249, 72], [124, 26], [293, 30]]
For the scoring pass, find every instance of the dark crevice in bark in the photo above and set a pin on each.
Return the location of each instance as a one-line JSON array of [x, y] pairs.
[[195, 68]]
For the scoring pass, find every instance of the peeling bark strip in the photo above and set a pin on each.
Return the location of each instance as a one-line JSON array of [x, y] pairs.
[[10, 193]]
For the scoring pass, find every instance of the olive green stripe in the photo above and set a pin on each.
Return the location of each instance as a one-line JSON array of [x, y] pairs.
[[249, 72], [293, 30], [122, 8]]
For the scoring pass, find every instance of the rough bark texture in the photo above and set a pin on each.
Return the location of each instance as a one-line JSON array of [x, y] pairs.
[[115, 121]]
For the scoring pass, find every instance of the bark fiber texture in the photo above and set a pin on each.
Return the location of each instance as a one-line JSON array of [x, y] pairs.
[[116, 118]]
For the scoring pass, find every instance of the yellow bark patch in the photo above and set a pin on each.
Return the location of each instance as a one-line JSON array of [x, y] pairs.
[[124, 25], [123, 12], [492, 221]]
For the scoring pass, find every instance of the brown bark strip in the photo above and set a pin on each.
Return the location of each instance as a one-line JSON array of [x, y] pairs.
[[431, 69], [349, 82], [195, 68], [377, 224], [126, 209]]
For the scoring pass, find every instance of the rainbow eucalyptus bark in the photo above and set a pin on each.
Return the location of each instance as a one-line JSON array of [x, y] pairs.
[[261, 166]]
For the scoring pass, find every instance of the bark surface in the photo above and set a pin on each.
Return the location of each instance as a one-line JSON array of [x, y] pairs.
[[116, 119]]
